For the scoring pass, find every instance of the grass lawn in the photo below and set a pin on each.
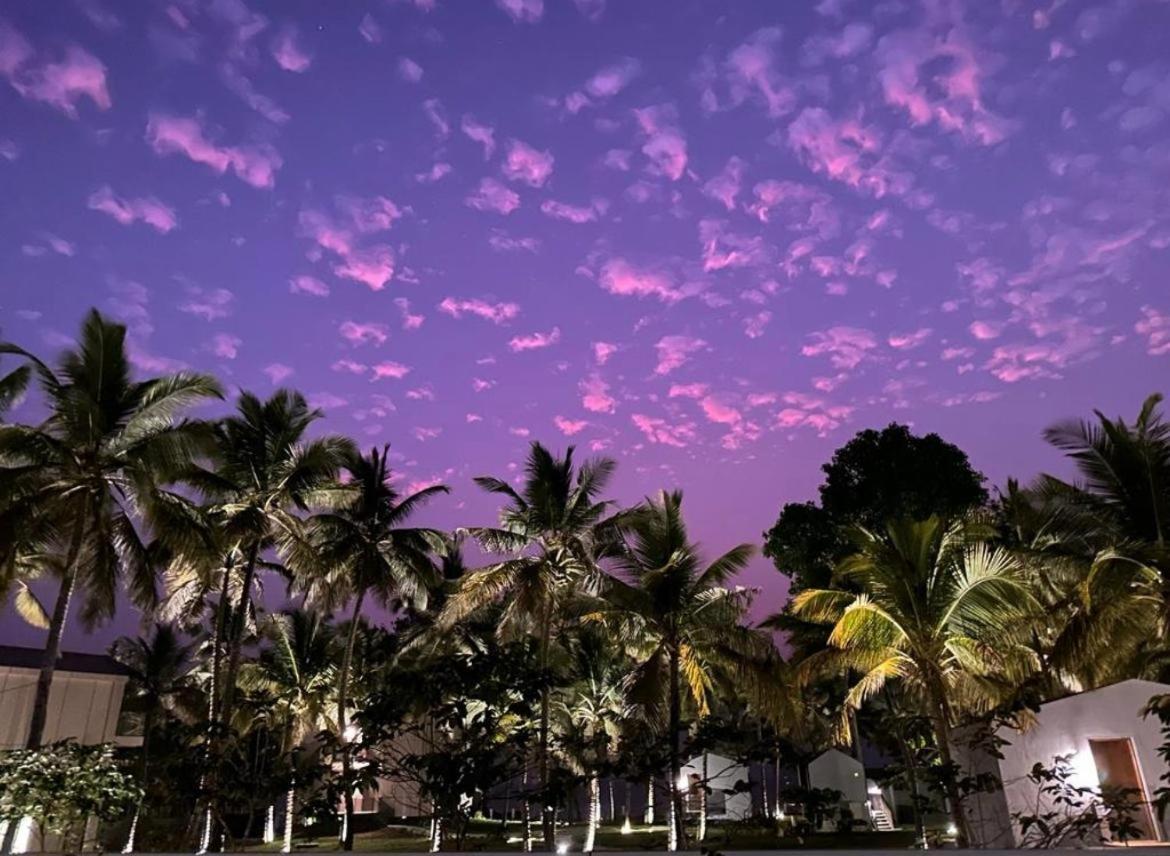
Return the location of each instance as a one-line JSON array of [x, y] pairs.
[[488, 836]]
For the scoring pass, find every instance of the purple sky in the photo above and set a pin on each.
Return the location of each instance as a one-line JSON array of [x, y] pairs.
[[712, 240]]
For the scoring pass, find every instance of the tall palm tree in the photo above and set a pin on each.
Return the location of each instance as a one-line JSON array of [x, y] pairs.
[[74, 483], [263, 468], [363, 550], [938, 610], [297, 674], [683, 625], [160, 676], [557, 531]]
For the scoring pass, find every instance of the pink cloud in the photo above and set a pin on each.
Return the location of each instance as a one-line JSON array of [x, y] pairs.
[[674, 351], [687, 390], [984, 330], [126, 211], [569, 427], [208, 304], [1155, 327], [409, 70], [226, 346], [437, 172], [533, 341], [362, 333], [491, 195], [751, 70], [433, 108], [410, 321], [350, 366], [390, 369], [373, 266], [612, 79], [370, 29], [844, 150], [659, 431], [595, 395], [278, 372], [664, 144], [725, 187], [497, 313], [61, 84], [479, 133], [305, 284], [846, 347], [527, 164], [288, 53], [572, 213], [523, 11], [753, 325], [504, 243], [951, 96], [908, 341], [620, 277], [725, 249], [255, 165], [602, 351]]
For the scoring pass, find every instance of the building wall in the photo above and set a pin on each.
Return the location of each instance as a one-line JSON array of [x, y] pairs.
[[1065, 727], [838, 771], [82, 706]]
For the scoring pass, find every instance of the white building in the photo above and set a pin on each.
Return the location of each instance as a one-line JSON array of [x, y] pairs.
[[866, 801], [728, 797], [85, 702], [1108, 741]]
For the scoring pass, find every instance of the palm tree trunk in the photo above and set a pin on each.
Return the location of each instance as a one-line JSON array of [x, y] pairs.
[[269, 834], [677, 837], [289, 816], [236, 637], [648, 814], [437, 833], [147, 729], [942, 737], [912, 782], [703, 802], [217, 633], [342, 703], [594, 812], [547, 817], [527, 808], [40, 710]]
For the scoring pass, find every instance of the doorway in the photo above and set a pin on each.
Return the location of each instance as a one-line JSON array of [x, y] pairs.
[[1117, 767]]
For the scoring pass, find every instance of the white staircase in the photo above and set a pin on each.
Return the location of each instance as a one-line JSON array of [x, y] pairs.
[[881, 820]]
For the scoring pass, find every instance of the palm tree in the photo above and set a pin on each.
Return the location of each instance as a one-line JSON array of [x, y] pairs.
[[297, 675], [160, 671], [557, 531], [74, 482], [589, 712], [263, 468], [938, 610], [682, 625], [363, 550]]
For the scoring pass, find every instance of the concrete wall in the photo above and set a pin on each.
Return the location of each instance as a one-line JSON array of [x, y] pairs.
[[1065, 727], [723, 775]]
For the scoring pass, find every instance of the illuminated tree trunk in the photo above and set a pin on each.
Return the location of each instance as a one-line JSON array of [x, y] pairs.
[[289, 817], [594, 812]]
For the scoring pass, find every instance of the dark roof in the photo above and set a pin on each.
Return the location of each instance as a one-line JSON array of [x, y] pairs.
[[70, 661]]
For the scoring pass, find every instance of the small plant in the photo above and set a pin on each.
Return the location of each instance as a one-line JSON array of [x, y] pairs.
[[60, 785], [1066, 813]]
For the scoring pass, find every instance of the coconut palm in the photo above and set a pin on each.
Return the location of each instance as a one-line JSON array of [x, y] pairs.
[[1113, 525], [362, 550], [682, 624], [75, 483], [262, 469], [557, 531], [297, 675], [160, 679], [589, 712], [938, 610]]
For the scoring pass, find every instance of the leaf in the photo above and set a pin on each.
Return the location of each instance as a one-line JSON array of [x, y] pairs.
[[29, 607]]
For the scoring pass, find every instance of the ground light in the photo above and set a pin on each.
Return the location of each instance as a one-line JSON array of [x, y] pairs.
[[627, 827], [562, 847]]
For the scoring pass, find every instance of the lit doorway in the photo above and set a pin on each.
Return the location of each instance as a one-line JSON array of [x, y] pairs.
[[1117, 767]]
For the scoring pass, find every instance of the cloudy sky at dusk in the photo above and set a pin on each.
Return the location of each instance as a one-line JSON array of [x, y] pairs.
[[710, 239]]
